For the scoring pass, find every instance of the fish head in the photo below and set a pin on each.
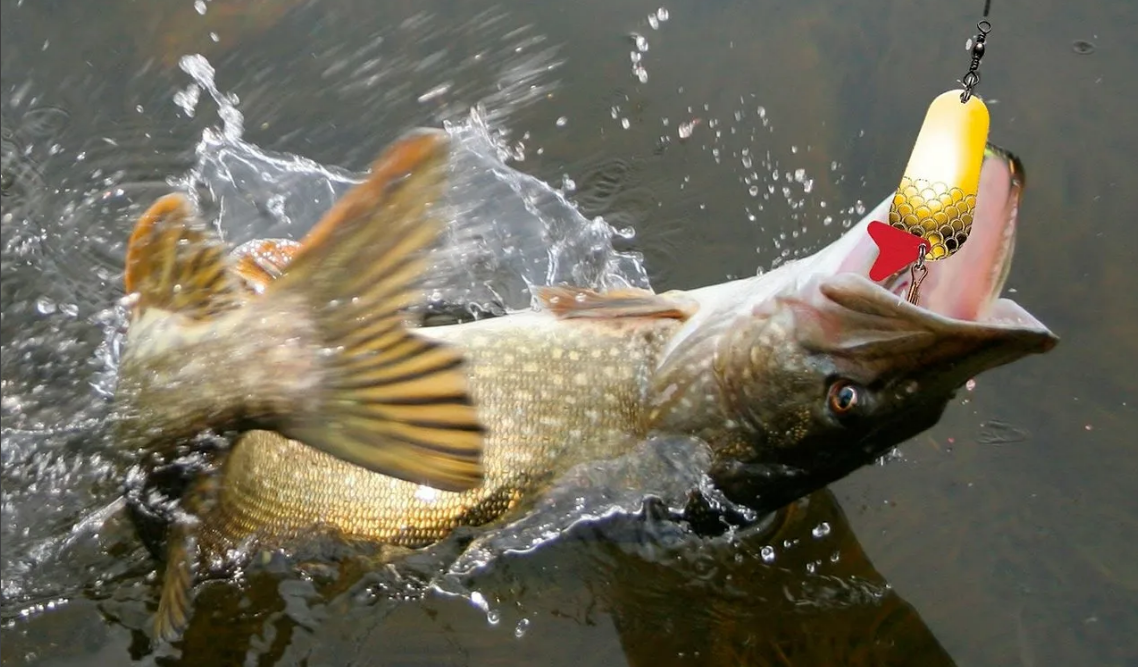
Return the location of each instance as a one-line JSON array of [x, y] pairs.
[[827, 370]]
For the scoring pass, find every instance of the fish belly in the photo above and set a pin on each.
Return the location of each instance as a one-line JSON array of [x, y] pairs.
[[552, 394]]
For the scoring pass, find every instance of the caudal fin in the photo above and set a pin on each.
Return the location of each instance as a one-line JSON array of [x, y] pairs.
[[387, 399]]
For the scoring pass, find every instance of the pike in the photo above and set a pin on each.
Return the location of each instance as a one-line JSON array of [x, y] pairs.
[[353, 422]]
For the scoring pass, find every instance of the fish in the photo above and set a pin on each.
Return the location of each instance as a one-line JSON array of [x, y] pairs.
[[803, 373]]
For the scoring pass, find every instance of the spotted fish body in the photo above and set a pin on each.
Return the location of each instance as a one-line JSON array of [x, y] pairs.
[[554, 392]]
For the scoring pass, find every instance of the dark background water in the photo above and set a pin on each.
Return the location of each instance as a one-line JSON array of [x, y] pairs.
[[1007, 532]]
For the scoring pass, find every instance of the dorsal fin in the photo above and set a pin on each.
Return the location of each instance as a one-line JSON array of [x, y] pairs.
[[260, 262], [174, 263], [579, 302]]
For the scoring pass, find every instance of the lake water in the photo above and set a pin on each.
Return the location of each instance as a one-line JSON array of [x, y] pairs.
[[728, 136]]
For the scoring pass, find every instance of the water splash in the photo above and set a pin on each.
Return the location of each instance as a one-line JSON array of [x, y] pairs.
[[507, 232], [664, 470]]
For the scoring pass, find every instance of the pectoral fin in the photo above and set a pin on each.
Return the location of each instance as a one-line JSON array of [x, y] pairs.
[[388, 400], [578, 302], [175, 263]]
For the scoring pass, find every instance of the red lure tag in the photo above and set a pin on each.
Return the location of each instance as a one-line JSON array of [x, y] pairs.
[[896, 249]]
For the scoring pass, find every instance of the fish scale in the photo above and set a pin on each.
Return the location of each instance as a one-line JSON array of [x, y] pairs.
[[535, 381]]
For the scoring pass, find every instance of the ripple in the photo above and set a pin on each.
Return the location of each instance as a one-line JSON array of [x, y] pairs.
[[1083, 47], [23, 187], [425, 70], [45, 122], [118, 175], [996, 432]]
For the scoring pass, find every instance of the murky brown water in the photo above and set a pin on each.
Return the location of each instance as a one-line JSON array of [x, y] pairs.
[[1005, 535]]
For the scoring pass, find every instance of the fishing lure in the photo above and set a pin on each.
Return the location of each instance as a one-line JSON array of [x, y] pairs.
[[930, 216]]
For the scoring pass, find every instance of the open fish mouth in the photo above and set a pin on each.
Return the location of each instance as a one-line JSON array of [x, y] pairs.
[[960, 326], [967, 286]]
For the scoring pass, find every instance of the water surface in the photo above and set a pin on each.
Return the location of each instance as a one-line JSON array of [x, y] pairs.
[[729, 136]]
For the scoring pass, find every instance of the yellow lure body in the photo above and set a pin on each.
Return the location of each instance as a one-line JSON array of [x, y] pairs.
[[937, 194]]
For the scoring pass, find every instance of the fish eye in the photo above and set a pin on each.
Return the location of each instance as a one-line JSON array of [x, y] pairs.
[[843, 398]]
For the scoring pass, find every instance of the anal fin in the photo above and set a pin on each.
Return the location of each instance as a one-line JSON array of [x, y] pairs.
[[175, 263], [579, 302], [175, 603]]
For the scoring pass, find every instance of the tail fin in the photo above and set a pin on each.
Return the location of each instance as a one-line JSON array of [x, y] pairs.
[[387, 400], [175, 263]]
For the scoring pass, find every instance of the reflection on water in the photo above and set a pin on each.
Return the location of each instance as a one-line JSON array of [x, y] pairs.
[[797, 589], [727, 136]]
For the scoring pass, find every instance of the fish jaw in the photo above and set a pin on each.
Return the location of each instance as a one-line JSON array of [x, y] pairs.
[[819, 370]]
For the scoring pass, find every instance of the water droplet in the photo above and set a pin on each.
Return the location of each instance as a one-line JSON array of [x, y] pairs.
[[970, 385], [199, 5], [437, 91], [767, 554], [520, 629], [821, 530], [188, 99], [562, 121], [45, 305], [1083, 47], [624, 122], [662, 14]]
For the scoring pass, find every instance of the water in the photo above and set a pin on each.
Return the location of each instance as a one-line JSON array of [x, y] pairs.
[[740, 135]]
